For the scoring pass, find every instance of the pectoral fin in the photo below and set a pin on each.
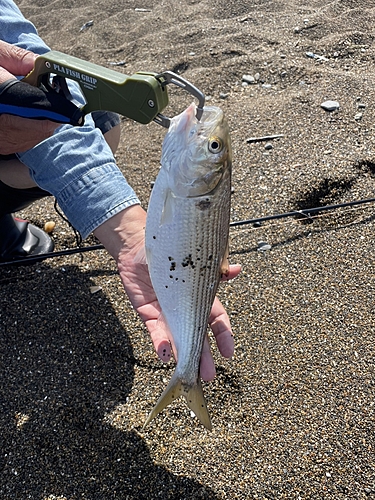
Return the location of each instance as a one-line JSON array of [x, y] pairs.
[[167, 215]]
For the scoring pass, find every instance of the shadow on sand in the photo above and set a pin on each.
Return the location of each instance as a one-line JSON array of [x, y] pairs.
[[65, 362]]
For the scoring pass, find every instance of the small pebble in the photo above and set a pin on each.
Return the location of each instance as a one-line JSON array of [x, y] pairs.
[[268, 146], [223, 95], [248, 79], [49, 226], [263, 246], [330, 105], [358, 116]]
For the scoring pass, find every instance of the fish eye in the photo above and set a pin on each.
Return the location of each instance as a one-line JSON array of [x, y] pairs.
[[215, 145]]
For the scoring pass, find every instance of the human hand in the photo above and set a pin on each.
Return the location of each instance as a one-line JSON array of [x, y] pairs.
[[137, 284], [19, 134]]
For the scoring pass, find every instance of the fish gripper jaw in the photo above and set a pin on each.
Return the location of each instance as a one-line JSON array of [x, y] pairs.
[[168, 77]]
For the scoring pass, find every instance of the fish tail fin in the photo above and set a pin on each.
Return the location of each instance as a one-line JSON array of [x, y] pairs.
[[196, 402], [194, 399]]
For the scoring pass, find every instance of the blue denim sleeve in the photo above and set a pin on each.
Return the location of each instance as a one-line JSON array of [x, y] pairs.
[[75, 165], [17, 30]]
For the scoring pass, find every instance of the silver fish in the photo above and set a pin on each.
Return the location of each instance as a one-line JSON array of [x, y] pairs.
[[187, 242]]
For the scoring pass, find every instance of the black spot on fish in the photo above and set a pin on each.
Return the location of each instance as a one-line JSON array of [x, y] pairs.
[[188, 261], [173, 266], [154, 237], [210, 257], [203, 204], [171, 276], [170, 258]]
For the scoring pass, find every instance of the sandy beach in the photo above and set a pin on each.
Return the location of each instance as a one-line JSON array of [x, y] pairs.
[[293, 411]]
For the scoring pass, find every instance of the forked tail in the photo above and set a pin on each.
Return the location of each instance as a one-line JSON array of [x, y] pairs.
[[194, 399]]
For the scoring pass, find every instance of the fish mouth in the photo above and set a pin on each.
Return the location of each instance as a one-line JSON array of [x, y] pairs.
[[212, 115], [185, 119]]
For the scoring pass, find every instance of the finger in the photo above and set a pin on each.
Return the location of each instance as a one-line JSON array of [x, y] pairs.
[[207, 366], [5, 75], [220, 326], [234, 270], [16, 60], [160, 340]]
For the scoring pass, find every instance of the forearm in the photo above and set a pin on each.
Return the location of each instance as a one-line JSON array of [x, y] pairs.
[[123, 234]]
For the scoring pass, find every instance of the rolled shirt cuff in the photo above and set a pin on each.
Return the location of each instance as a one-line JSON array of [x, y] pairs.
[[77, 166]]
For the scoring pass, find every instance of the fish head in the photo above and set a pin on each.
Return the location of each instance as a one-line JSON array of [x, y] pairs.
[[197, 154]]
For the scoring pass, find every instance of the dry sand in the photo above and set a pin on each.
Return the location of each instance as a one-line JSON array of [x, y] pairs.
[[293, 411]]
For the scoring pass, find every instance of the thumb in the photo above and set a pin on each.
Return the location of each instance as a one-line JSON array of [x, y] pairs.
[[15, 60]]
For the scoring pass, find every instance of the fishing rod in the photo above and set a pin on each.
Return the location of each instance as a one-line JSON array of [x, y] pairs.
[[307, 212]]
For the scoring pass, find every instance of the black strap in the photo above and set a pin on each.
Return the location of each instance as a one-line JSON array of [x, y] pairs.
[[21, 99]]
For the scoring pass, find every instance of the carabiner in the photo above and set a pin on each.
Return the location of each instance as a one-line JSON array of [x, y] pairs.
[[168, 77]]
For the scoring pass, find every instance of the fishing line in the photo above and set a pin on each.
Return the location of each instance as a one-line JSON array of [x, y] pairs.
[[306, 213]]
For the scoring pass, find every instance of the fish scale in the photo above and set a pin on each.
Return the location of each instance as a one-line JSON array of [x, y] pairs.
[[186, 242], [187, 291]]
